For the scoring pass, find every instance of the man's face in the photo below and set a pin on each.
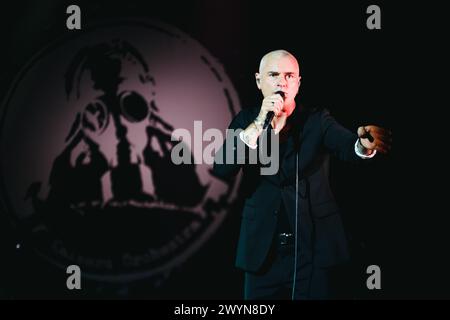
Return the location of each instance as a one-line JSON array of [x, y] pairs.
[[279, 73]]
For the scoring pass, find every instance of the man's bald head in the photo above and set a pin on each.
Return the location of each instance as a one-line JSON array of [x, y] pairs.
[[275, 55], [279, 72]]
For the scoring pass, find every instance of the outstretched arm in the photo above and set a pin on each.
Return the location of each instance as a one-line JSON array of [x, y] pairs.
[[348, 146]]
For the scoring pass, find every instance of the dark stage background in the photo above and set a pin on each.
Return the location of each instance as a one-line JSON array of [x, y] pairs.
[[361, 76]]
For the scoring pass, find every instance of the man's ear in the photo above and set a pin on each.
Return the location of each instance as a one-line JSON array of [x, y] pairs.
[[299, 83], [258, 80]]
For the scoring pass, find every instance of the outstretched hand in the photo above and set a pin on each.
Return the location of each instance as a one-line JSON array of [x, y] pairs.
[[375, 138]]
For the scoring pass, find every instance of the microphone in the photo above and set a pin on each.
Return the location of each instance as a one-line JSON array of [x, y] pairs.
[[271, 114], [367, 136]]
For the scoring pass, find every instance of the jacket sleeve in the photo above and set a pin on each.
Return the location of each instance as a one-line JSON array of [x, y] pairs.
[[233, 153], [337, 139]]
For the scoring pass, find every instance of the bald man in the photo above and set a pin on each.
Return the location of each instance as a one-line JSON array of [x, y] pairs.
[[291, 230]]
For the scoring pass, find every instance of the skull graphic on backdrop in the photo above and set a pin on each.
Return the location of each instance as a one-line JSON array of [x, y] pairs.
[[89, 173], [118, 149]]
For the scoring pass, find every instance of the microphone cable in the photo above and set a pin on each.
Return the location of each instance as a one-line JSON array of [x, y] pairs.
[[297, 220]]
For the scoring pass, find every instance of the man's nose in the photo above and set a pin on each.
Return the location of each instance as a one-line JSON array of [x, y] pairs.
[[282, 82]]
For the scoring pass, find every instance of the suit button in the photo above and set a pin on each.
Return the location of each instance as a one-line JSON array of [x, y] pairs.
[[275, 212]]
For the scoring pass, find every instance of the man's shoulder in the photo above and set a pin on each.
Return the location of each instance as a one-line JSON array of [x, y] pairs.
[[316, 110], [312, 113]]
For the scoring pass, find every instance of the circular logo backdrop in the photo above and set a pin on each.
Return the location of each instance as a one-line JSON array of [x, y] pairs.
[[86, 150]]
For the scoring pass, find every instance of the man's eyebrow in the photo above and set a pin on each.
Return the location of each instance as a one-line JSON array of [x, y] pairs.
[[277, 72]]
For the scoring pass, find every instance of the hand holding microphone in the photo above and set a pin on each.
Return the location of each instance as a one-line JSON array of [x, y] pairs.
[[271, 106]]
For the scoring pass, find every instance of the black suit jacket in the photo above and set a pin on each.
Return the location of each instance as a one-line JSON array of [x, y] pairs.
[[315, 135]]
